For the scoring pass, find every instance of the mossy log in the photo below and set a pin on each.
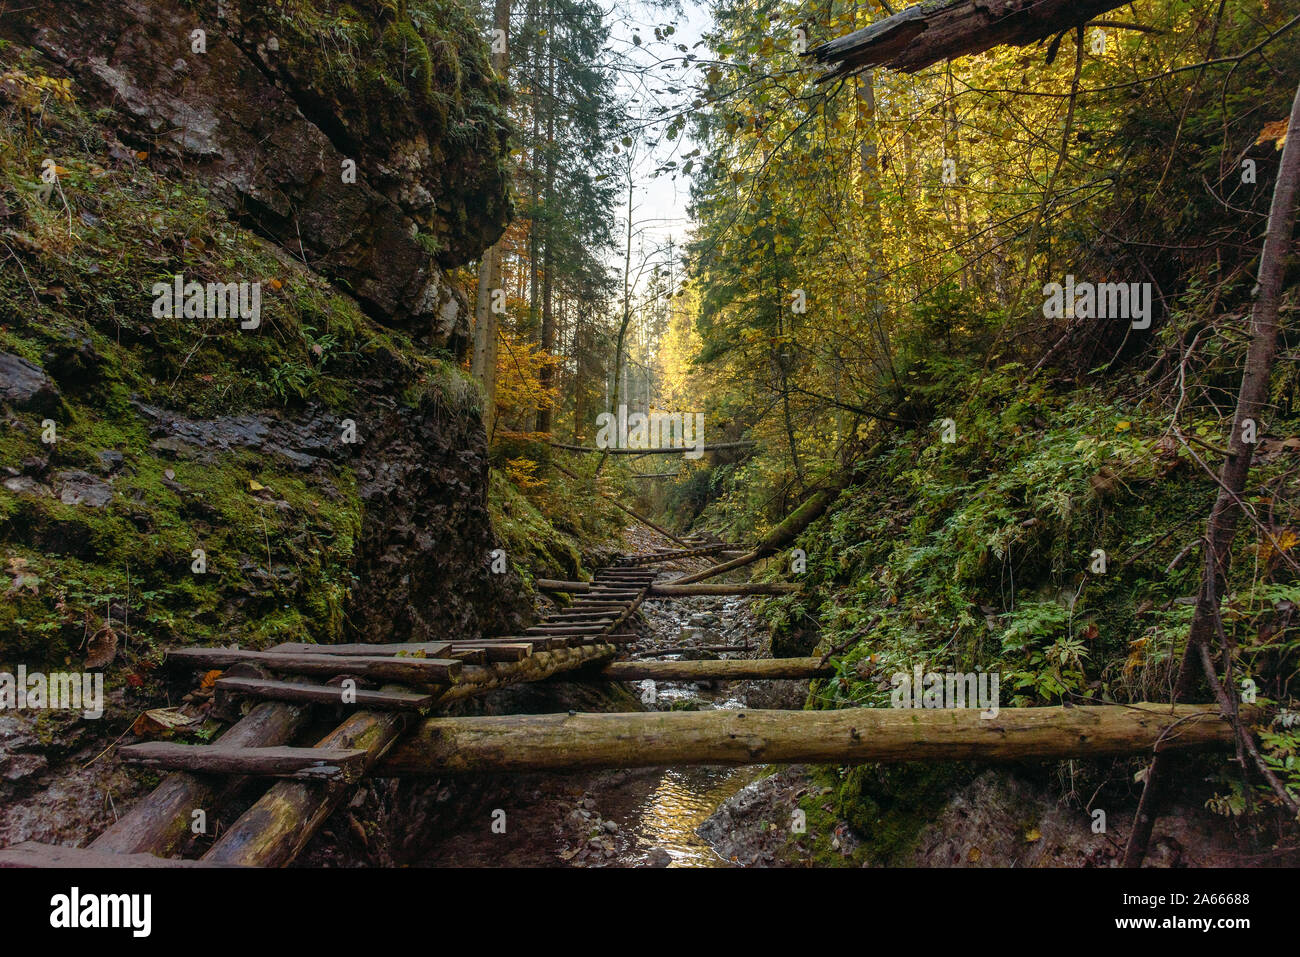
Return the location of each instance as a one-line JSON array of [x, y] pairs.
[[537, 666], [781, 536], [556, 742]]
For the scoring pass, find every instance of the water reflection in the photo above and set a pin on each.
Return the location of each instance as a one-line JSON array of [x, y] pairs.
[[682, 800]]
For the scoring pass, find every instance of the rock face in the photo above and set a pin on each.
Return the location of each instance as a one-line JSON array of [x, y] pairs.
[[303, 122], [322, 477]]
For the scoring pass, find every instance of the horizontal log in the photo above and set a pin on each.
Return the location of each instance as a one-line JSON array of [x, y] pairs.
[[498, 650], [670, 590], [423, 671], [690, 649], [555, 742], [751, 588], [557, 630], [325, 694], [33, 854], [668, 450], [429, 649], [307, 763], [709, 670]]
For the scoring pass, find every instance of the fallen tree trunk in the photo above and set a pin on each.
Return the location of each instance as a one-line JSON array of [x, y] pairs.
[[690, 649], [640, 518], [926, 33], [674, 589], [753, 588], [556, 742], [667, 450], [711, 670], [781, 536]]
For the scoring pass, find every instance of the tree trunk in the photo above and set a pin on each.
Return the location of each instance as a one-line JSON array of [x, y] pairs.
[[483, 361], [556, 742]]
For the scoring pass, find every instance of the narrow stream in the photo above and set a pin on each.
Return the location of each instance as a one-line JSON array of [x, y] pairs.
[[635, 817], [684, 799]]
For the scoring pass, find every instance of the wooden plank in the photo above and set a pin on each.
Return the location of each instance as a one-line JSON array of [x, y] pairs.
[[429, 649], [31, 854], [497, 650], [326, 694], [564, 630], [423, 671], [304, 763], [467, 656]]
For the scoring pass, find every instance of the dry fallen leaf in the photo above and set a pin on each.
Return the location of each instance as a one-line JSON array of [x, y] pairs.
[[102, 648], [158, 721], [1032, 834], [974, 855], [1275, 132]]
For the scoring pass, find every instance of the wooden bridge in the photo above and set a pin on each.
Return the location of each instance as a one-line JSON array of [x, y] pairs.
[[389, 731]]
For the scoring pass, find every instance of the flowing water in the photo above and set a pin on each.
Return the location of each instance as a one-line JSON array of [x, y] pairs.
[[637, 817], [682, 800]]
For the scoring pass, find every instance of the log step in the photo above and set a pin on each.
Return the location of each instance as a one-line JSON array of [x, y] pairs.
[[285, 762], [497, 650], [564, 630], [326, 694], [414, 649], [423, 671]]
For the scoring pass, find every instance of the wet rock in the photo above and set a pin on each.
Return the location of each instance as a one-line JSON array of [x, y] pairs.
[[25, 385], [610, 827], [658, 857], [82, 488]]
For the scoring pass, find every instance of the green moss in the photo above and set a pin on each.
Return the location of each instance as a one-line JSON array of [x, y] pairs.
[[278, 558]]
